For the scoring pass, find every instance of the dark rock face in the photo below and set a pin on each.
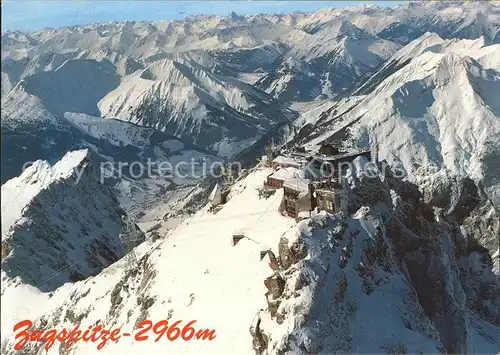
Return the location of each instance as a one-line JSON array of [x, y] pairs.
[[290, 255], [56, 88], [468, 200], [456, 196], [367, 192], [465, 204], [275, 285], [439, 265]]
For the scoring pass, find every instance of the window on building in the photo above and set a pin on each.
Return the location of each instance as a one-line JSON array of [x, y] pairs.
[[338, 201], [319, 202]]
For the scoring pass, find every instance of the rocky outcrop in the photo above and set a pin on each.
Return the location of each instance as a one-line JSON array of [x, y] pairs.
[[393, 256], [260, 340], [289, 255], [275, 285], [463, 203]]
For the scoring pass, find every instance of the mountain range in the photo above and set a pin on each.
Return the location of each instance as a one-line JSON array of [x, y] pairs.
[[83, 240]]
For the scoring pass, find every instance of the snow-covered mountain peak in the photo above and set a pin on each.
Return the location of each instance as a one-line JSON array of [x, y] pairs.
[[340, 28], [359, 266], [20, 107], [189, 101], [333, 34], [418, 46], [234, 16], [335, 54], [438, 108], [450, 65], [436, 47], [159, 70], [60, 224], [18, 192], [442, 67], [416, 83]]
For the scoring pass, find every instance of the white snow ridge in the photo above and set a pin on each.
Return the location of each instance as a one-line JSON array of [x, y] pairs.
[[59, 224], [395, 251]]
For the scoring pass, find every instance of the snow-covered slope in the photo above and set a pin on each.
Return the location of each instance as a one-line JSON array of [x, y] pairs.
[[431, 42], [337, 55], [90, 79], [59, 224], [30, 132], [186, 100], [321, 114], [412, 267], [256, 59], [317, 306], [293, 79], [404, 23], [440, 109], [6, 84], [198, 292]]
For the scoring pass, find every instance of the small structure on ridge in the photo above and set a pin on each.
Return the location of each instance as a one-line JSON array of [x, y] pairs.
[[297, 197], [276, 179], [331, 196], [286, 162]]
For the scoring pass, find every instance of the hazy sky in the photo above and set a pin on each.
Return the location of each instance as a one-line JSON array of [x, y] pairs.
[[33, 15]]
